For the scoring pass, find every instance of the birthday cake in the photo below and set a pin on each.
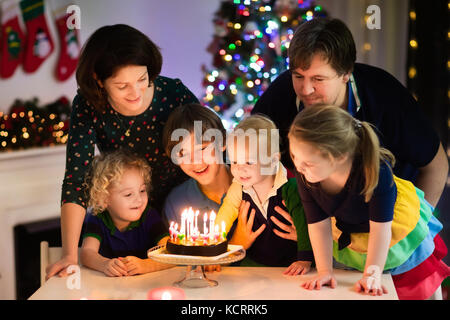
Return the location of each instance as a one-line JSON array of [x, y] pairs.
[[197, 248], [189, 241]]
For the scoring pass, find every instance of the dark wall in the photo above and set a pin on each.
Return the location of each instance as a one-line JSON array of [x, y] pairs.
[[431, 83]]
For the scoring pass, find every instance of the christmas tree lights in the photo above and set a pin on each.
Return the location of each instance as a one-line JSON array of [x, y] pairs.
[[28, 125], [249, 51]]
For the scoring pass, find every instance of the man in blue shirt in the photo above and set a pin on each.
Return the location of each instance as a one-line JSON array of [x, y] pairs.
[[322, 57]]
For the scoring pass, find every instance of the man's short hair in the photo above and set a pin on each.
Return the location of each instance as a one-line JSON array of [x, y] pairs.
[[328, 37]]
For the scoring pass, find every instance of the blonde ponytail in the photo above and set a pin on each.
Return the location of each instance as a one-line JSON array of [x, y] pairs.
[[371, 154]]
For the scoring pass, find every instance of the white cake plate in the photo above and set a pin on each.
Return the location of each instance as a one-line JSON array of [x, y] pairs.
[[195, 276]]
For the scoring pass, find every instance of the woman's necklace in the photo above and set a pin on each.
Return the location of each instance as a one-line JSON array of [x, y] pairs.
[[127, 132]]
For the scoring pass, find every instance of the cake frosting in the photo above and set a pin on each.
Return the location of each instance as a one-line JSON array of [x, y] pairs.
[[198, 248]]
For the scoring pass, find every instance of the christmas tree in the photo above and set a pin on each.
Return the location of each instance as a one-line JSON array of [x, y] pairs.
[[249, 51]]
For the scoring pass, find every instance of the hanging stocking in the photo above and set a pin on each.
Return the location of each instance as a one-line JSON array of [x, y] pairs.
[[12, 39], [70, 48], [39, 44]]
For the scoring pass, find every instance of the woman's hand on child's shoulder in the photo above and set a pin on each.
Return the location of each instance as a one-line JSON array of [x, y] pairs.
[[298, 267], [321, 279], [114, 268]]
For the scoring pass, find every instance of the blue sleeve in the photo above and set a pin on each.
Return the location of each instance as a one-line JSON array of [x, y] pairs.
[[312, 210], [155, 226], [381, 206], [93, 227]]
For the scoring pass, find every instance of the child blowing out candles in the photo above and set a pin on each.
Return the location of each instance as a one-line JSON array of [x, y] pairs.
[[123, 226], [358, 211]]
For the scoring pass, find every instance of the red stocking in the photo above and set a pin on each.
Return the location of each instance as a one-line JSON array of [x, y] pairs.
[[12, 39], [39, 44], [70, 49]]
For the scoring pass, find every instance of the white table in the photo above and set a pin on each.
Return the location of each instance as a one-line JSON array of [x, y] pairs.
[[235, 283]]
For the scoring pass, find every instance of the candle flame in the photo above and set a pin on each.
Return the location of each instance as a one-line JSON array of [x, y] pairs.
[[212, 215]]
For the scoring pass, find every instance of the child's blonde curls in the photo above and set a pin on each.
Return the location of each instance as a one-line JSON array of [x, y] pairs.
[[106, 171]]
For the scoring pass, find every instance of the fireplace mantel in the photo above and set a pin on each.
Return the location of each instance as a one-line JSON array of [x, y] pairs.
[[30, 191]]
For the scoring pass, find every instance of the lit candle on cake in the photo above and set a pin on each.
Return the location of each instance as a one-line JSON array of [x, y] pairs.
[[212, 218], [190, 214], [192, 219], [194, 235], [196, 216], [175, 232], [171, 229], [216, 232], [205, 218], [183, 221]]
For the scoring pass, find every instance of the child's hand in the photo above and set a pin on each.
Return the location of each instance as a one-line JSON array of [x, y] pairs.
[[213, 268], [134, 265], [321, 279], [298, 267], [370, 284], [114, 268]]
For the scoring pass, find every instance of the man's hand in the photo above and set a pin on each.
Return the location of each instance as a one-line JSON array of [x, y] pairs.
[[243, 234], [291, 231]]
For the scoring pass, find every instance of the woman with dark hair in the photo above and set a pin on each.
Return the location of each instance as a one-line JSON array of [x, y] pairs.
[[122, 103]]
